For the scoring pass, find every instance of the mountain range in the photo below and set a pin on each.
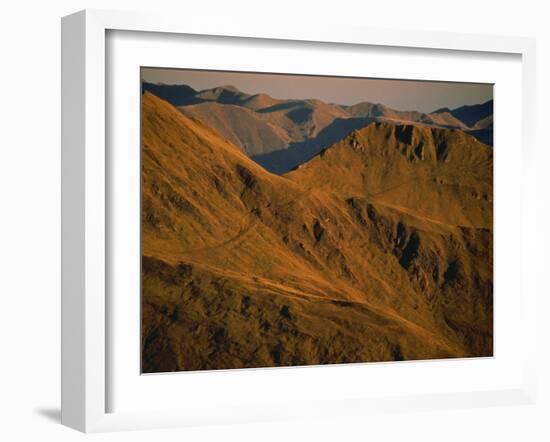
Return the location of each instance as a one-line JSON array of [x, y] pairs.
[[281, 134], [379, 247]]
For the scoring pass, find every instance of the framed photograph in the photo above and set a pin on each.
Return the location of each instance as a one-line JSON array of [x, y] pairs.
[[269, 223]]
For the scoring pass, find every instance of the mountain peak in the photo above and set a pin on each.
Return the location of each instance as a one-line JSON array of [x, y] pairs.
[[424, 161], [218, 90], [223, 94], [230, 87], [471, 114], [176, 94], [411, 143]]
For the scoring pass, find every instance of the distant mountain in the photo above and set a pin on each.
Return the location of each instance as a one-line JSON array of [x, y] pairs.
[[246, 129], [377, 110], [223, 95], [259, 124], [177, 94], [444, 119], [298, 152], [260, 101], [377, 249], [439, 118], [472, 114], [183, 95], [281, 134]]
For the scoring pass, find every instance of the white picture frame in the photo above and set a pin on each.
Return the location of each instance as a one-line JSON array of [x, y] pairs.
[[86, 356]]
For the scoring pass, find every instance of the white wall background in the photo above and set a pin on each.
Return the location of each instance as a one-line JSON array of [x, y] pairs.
[[30, 216]]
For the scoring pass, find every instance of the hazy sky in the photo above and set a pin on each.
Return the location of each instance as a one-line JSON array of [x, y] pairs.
[[424, 96]]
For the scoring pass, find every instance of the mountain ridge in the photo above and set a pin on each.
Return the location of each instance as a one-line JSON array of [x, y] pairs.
[[244, 268], [282, 133]]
